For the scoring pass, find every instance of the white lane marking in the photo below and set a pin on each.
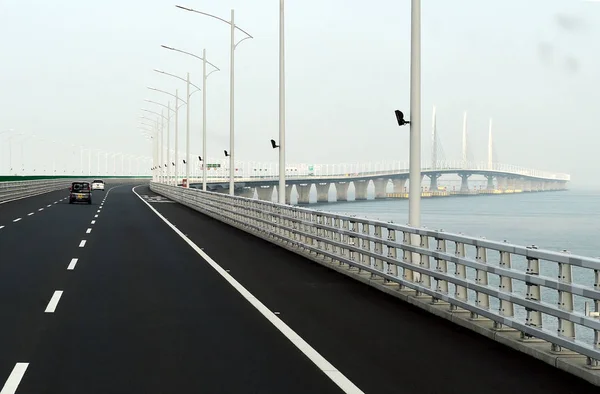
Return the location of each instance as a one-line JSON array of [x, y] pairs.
[[12, 383], [93, 222], [53, 301], [16, 220], [48, 206], [82, 243], [98, 211], [72, 264], [41, 209], [1, 227], [89, 230], [95, 216], [336, 376], [30, 213], [56, 202]]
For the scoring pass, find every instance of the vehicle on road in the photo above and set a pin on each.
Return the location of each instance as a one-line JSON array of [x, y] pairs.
[[80, 192], [98, 184]]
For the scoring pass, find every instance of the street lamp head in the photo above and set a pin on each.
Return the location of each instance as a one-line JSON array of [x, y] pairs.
[[274, 144], [200, 158], [166, 47], [226, 154], [400, 118]]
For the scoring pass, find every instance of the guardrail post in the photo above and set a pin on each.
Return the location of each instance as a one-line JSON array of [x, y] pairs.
[[441, 266], [591, 362], [506, 308], [424, 262], [327, 234], [533, 318], [296, 225], [482, 300], [337, 238], [352, 242], [392, 253], [407, 274], [344, 252], [460, 271], [565, 302], [378, 264], [365, 244]]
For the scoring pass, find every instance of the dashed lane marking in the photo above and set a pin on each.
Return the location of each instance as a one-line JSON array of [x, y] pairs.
[[12, 383], [54, 301], [30, 213], [82, 243], [93, 222], [89, 230], [16, 220], [72, 264]]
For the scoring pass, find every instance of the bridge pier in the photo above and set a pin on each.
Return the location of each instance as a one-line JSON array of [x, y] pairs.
[[399, 185], [265, 193], [527, 185], [247, 192], [360, 189], [341, 191], [464, 183], [502, 183], [323, 191], [433, 185], [380, 187], [288, 194], [490, 182], [303, 193]]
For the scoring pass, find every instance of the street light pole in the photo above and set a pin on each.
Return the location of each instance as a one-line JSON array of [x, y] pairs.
[[281, 187], [177, 134], [187, 131], [231, 108], [414, 197], [204, 77]]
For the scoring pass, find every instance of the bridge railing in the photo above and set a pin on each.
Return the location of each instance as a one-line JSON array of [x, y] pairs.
[[539, 295], [356, 172]]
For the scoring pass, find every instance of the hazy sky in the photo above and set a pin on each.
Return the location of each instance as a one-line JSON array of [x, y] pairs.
[[77, 71]]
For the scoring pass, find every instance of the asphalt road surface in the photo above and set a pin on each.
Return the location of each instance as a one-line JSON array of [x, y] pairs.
[[108, 298]]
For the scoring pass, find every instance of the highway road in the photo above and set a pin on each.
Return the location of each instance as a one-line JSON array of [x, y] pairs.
[[112, 298]]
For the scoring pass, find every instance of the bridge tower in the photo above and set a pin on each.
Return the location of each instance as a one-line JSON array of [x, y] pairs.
[[490, 145], [464, 140], [434, 157], [434, 142]]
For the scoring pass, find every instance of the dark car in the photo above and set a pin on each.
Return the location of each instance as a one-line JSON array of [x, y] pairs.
[[80, 192]]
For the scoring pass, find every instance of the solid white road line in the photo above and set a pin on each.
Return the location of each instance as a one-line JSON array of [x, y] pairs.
[[12, 383], [93, 222], [16, 220], [89, 230], [82, 243], [54, 301], [72, 264], [30, 213], [336, 376]]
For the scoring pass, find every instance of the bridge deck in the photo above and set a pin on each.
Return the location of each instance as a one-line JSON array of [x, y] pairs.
[[143, 312]]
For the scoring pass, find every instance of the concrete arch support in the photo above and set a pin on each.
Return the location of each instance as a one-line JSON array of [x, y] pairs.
[[490, 182], [360, 189], [464, 183], [399, 185], [380, 187], [288, 194], [323, 192], [265, 193], [303, 193], [433, 185], [341, 191]]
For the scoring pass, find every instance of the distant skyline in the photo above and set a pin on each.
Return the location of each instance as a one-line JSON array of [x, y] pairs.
[[77, 72]]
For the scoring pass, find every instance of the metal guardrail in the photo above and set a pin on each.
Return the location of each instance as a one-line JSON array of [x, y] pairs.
[[21, 189], [543, 295]]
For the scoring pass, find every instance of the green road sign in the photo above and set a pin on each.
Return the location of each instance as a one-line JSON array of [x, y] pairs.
[[213, 166]]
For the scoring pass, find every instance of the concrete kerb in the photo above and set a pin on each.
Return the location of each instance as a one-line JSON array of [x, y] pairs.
[[541, 350]]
